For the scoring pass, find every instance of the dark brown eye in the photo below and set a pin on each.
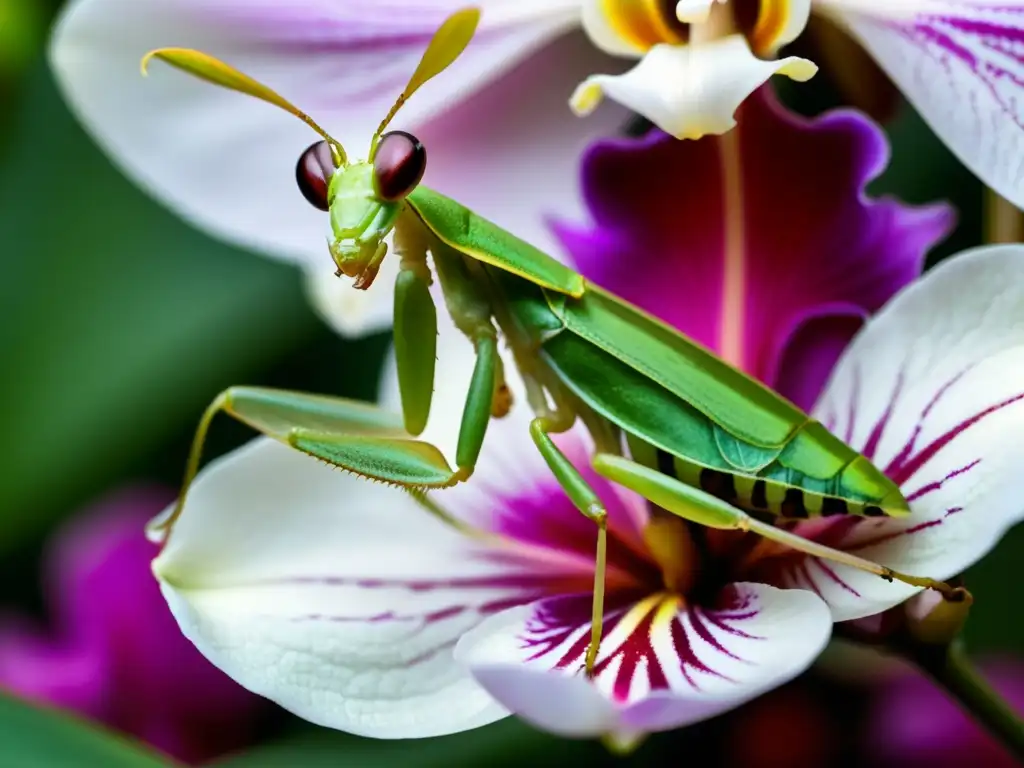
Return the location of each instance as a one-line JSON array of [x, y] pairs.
[[398, 165], [314, 172]]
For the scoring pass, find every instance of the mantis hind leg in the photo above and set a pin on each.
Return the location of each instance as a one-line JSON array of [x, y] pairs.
[[586, 501], [348, 434], [701, 507]]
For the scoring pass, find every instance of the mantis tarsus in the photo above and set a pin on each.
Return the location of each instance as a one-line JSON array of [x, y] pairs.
[[705, 441]]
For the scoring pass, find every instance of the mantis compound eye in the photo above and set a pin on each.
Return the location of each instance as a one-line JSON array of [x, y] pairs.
[[313, 173], [398, 165]]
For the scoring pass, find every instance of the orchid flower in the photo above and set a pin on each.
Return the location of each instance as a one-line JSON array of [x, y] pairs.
[[113, 653], [499, 134], [350, 605]]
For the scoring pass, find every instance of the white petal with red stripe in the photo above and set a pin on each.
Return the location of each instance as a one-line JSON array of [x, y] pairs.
[[961, 64], [932, 390], [662, 664]]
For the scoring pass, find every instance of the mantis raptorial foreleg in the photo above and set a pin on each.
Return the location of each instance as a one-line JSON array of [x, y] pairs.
[[289, 416], [701, 507], [586, 501], [415, 334]]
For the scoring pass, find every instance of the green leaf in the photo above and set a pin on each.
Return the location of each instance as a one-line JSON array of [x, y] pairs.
[[36, 737], [506, 744]]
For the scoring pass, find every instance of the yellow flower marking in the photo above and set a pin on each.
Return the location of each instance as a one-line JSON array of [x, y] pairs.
[[644, 23], [772, 18]]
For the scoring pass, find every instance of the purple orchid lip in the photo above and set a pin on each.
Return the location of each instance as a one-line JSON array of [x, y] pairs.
[[783, 283]]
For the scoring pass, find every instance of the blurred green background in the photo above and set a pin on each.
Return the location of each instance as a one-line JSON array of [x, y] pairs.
[[118, 323]]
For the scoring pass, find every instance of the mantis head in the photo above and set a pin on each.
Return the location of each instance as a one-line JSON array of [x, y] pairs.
[[363, 198]]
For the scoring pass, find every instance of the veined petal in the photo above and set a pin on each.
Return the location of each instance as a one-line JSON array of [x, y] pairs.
[[226, 162], [339, 599], [725, 222], [662, 664], [961, 65], [690, 90], [932, 391]]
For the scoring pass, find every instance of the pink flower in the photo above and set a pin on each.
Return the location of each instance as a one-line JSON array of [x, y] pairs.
[[915, 724], [114, 653]]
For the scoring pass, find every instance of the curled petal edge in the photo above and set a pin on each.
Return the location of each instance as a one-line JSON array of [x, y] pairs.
[[690, 91]]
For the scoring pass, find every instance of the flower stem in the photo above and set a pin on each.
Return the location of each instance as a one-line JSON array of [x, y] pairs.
[[952, 670], [1004, 223]]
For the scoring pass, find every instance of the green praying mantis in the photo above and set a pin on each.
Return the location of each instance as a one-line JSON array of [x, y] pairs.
[[705, 442]]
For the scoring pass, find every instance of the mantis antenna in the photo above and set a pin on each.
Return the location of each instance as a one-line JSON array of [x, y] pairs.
[[445, 47], [212, 70]]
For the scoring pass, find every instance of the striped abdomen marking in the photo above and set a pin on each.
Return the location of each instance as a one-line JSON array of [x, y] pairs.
[[762, 494]]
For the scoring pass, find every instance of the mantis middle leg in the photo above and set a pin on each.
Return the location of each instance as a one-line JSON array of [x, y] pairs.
[[587, 502]]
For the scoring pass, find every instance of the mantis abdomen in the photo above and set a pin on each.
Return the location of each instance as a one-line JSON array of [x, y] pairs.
[[807, 472]]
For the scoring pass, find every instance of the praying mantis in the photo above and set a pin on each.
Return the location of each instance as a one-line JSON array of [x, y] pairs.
[[669, 420]]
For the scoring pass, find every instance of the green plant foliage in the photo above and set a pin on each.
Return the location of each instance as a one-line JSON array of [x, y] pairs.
[[34, 737]]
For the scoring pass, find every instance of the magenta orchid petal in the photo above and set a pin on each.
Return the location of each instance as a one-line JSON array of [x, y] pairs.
[[789, 247], [114, 653], [931, 391], [915, 724], [35, 666], [227, 162], [808, 355], [959, 62], [663, 663]]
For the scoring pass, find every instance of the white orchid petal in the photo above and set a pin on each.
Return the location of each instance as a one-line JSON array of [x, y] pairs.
[[960, 65], [339, 599], [226, 162], [660, 667], [348, 311], [690, 90], [932, 390]]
